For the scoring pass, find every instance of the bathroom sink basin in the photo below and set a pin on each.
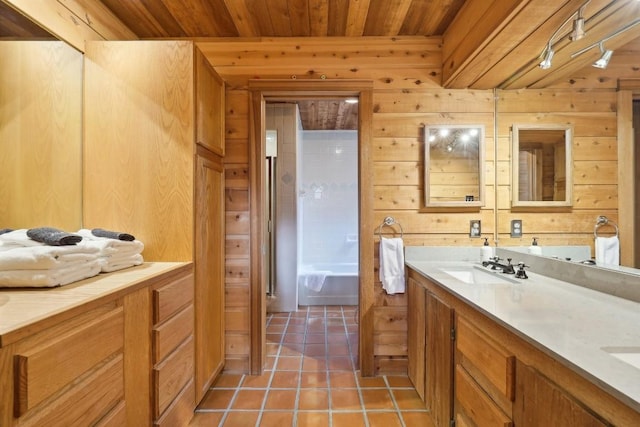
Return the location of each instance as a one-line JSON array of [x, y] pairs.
[[630, 355], [475, 275]]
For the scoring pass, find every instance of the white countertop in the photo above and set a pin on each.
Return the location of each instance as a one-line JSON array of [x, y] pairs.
[[571, 323]]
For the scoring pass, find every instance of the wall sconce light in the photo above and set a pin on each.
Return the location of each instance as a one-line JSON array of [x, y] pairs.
[[577, 33], [606, 54]]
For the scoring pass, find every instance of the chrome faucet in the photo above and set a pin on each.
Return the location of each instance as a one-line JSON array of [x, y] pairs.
[[506, 268]]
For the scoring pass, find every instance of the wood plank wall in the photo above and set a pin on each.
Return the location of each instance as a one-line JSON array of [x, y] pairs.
[[407, 95]]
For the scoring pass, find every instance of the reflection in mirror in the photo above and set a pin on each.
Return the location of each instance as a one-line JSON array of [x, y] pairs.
[[454, 156], [40, 127], [541, 165]]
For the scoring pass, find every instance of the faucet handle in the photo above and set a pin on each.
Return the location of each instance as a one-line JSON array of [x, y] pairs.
[[521, 274]]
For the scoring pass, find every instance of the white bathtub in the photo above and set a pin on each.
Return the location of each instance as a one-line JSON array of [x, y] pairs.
[[340, 285]]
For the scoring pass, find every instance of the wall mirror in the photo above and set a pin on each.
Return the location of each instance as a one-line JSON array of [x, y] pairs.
[[454, 159], [541, 165], [40, 127]]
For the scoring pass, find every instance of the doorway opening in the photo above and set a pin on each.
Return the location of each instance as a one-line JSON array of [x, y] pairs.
[[263, 92], [311, 187]]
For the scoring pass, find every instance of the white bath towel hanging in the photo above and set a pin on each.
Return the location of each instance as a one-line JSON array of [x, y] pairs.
[[391, 272], [608, 250]]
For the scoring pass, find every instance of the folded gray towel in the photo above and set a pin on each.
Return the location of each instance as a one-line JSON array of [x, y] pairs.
[[99, 232], [53, 237], [5, 230]]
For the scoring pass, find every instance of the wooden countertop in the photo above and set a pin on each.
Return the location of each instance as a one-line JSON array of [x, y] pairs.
[[25, 311]]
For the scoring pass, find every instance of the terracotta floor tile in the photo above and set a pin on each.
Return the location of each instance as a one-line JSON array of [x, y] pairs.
[[241, 418], [216, 399], [313, 399], [276, 419], [285, 379], [289, 363], [376, 399], [228, 380], [293, 338], [315, 349], [370, 381], [396, 381], [281, 399], [385, 419], [292, 349], [338, 349], [278, 321], [345, 399], [206, 419], [340, 363], [408, 399], [276, 328], [272, 349], [342, 380], [296, 329], [314, 364], [248, 399], [270, 363], [335, 329], [315, 339], [350, 419], [274, 338], [313, 419], [414, 418], [256, 381], [314, 380]]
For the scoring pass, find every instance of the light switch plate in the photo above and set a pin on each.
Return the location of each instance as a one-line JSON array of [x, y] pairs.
[[474, 228], [516, 228]]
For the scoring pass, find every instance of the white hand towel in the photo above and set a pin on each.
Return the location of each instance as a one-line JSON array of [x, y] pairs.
[[17, 239], [45, 257], [110, 246], [109, 265], [314, 280], [391, 272], [608, 250]]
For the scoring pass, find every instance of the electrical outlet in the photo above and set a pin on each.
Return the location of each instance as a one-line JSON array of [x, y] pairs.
[[474, 228], [516, 228]]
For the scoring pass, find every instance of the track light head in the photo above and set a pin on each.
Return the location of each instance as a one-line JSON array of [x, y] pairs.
[[604, 59], [547, 56]]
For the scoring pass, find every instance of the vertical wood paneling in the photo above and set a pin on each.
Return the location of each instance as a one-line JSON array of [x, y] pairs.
[[40, 135]]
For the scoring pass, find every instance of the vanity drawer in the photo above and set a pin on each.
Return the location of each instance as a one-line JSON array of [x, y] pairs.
[[181, 409], [46, 368], [168, 335], [476, 404], [488, 358], [169, 298], [171, 375]]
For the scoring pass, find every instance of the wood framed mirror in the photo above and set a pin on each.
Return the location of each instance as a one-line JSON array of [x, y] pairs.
[[541, 165], [454, 159]]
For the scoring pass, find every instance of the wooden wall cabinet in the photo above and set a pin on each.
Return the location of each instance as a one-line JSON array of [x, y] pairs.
[[154, 137]]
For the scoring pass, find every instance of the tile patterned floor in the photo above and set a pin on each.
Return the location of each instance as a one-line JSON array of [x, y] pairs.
[[311, 379]]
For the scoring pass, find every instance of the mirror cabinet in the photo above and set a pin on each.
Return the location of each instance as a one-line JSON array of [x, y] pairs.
[[541, 165], [454, 162]]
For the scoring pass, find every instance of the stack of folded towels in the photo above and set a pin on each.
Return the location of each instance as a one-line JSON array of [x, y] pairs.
[[116, 250], [44, 257], [47, 257]]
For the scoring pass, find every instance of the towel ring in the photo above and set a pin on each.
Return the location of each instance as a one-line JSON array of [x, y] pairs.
[[602, 221], [389, 221]]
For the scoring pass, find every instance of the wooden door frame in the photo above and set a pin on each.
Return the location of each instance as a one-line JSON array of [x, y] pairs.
[[259, 92]]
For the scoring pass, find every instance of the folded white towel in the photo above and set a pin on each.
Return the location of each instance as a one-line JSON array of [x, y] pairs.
[[110, 246], [46, 257], [391, 272], [314, 280], [608, 250], [109, 264], [17, 239], [49, 278]]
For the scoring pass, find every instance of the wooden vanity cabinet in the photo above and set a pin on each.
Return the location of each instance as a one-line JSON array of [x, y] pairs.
[[430, 327], [489, 375]]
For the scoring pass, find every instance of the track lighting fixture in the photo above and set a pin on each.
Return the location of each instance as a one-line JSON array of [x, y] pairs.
[[605, 54], [577, 33], [604, 58]]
